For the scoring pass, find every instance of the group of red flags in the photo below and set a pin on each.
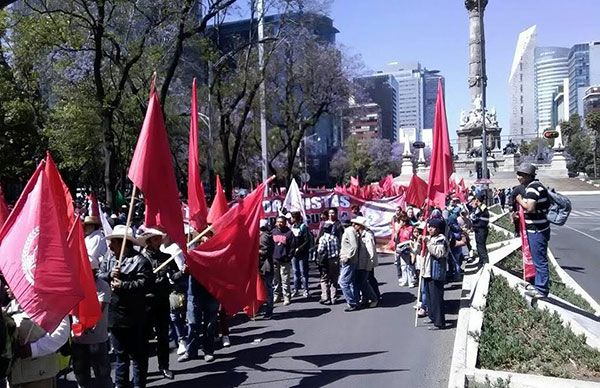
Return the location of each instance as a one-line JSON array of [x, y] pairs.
[[45, 261]]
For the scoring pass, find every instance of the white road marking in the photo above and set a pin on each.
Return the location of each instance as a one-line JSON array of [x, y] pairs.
[[585, 234]]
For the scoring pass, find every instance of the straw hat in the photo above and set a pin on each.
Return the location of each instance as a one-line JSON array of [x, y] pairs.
[[145, 233], [91, 220], [360, 220], [119, 231]]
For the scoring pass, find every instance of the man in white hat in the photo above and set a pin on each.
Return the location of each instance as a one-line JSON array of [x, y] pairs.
[[348, 261], [95, 242], [127, 310], [158, 294], [363, 264]]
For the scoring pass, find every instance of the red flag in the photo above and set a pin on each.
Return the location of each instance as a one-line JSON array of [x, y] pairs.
[[196, 197], [94, 207], [37, 264], [528, 266], [417, 191], [441, 157], [227, 264], [87, 311], [3, 208], [219, 205], [354, 181], [152, 172]]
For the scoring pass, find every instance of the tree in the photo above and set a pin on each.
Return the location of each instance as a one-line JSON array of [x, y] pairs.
[[307, 80], [570, 128], [96, 58], [592, 121]]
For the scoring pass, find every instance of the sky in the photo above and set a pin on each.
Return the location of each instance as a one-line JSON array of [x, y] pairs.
[[436, 33]]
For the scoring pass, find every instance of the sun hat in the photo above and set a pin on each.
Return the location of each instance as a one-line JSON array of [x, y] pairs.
[[91, 220], [146, 232], [360, 220], [527, 169], [119, 231]]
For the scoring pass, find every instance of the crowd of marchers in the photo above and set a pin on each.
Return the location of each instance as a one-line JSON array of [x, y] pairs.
[[146, 296]]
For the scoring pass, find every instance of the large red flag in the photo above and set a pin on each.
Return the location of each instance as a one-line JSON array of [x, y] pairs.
[[3, 208], [196, 197], [219, 205], [227, 264], [87, 310], [152, 172], [416, 194], [354, 181], [441, 156], [37, 263]]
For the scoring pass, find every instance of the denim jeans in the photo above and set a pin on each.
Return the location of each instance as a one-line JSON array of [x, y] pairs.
[[538, 244], [91, 356], [362, 281], [131, 345], [300, 268], [202, 314], [178, 325], [268, 282], [346, 282], [455, 261]]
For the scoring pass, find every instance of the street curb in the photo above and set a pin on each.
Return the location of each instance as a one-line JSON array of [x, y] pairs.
[[570, 282], [595, 192], [528, 381]]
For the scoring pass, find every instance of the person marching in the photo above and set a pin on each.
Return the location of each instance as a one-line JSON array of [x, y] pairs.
[[127, 313], [283, 240], [328, 261], [481, 219], [159, 307], [435, 271]]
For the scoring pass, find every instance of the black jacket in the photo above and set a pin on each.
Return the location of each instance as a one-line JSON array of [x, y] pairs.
[[128, 303], [283, 245], [161, 287], [265, 253]]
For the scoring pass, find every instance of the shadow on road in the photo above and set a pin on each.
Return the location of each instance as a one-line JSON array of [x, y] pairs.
[[333, 358], [574, 269], [304, 313], [395, 299], [271, 334]]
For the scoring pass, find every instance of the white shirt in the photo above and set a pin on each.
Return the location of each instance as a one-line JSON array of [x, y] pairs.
[[51, 342], [95, 244]]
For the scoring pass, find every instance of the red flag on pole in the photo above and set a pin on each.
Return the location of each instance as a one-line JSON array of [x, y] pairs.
[[219, 205], [40, 269], [88, 310], [151, 170], [354, 181], [3, 208], [196, 197], [441, 156], [416, 194], [227, 264], [528, 266]]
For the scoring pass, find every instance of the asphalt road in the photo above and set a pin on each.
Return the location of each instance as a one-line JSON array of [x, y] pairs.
[[577, 244], [310, 345]]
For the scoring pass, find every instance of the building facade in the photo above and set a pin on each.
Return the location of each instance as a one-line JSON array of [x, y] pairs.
[[521, 83], [430, 85], [579, 76], [382, 89], [551, 68], [363, 121], [591, 100]]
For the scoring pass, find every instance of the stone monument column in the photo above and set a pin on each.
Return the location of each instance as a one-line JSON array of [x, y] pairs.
[[477, 84]]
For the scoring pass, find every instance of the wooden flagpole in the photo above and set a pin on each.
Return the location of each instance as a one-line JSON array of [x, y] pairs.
[[127, 224]]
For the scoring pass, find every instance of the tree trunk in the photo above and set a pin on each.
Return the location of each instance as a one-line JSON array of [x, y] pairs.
[[109, 159]]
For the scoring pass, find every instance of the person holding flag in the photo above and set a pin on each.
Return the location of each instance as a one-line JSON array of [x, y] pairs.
[[130, 279], [95, 242]]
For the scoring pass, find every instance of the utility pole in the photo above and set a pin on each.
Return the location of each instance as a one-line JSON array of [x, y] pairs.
[[262, 91]]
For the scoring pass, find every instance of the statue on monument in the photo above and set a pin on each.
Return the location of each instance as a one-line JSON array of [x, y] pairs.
[[511, 148]]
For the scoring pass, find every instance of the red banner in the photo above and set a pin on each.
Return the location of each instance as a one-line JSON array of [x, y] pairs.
[[528, 267]]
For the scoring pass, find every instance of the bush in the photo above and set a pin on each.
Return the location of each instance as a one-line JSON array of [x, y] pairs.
[[505, 222], [513, 263], [496, 209], [495, 236], [516, 338]]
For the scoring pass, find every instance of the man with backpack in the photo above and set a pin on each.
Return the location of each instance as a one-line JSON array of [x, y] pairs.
[[536, 202]]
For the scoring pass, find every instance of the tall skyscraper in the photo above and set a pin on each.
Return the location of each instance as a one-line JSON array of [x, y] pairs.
[[417, 88], [595, 63], [521, 83], [551, 68], [579, 76], [430, 84], [382, 89]]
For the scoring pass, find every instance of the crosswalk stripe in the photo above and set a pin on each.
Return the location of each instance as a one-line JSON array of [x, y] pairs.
[[585, 213]]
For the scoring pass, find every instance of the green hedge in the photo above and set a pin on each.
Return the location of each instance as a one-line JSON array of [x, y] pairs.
[[505, 222], [523, 340], [513, 263], [496, 209]]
